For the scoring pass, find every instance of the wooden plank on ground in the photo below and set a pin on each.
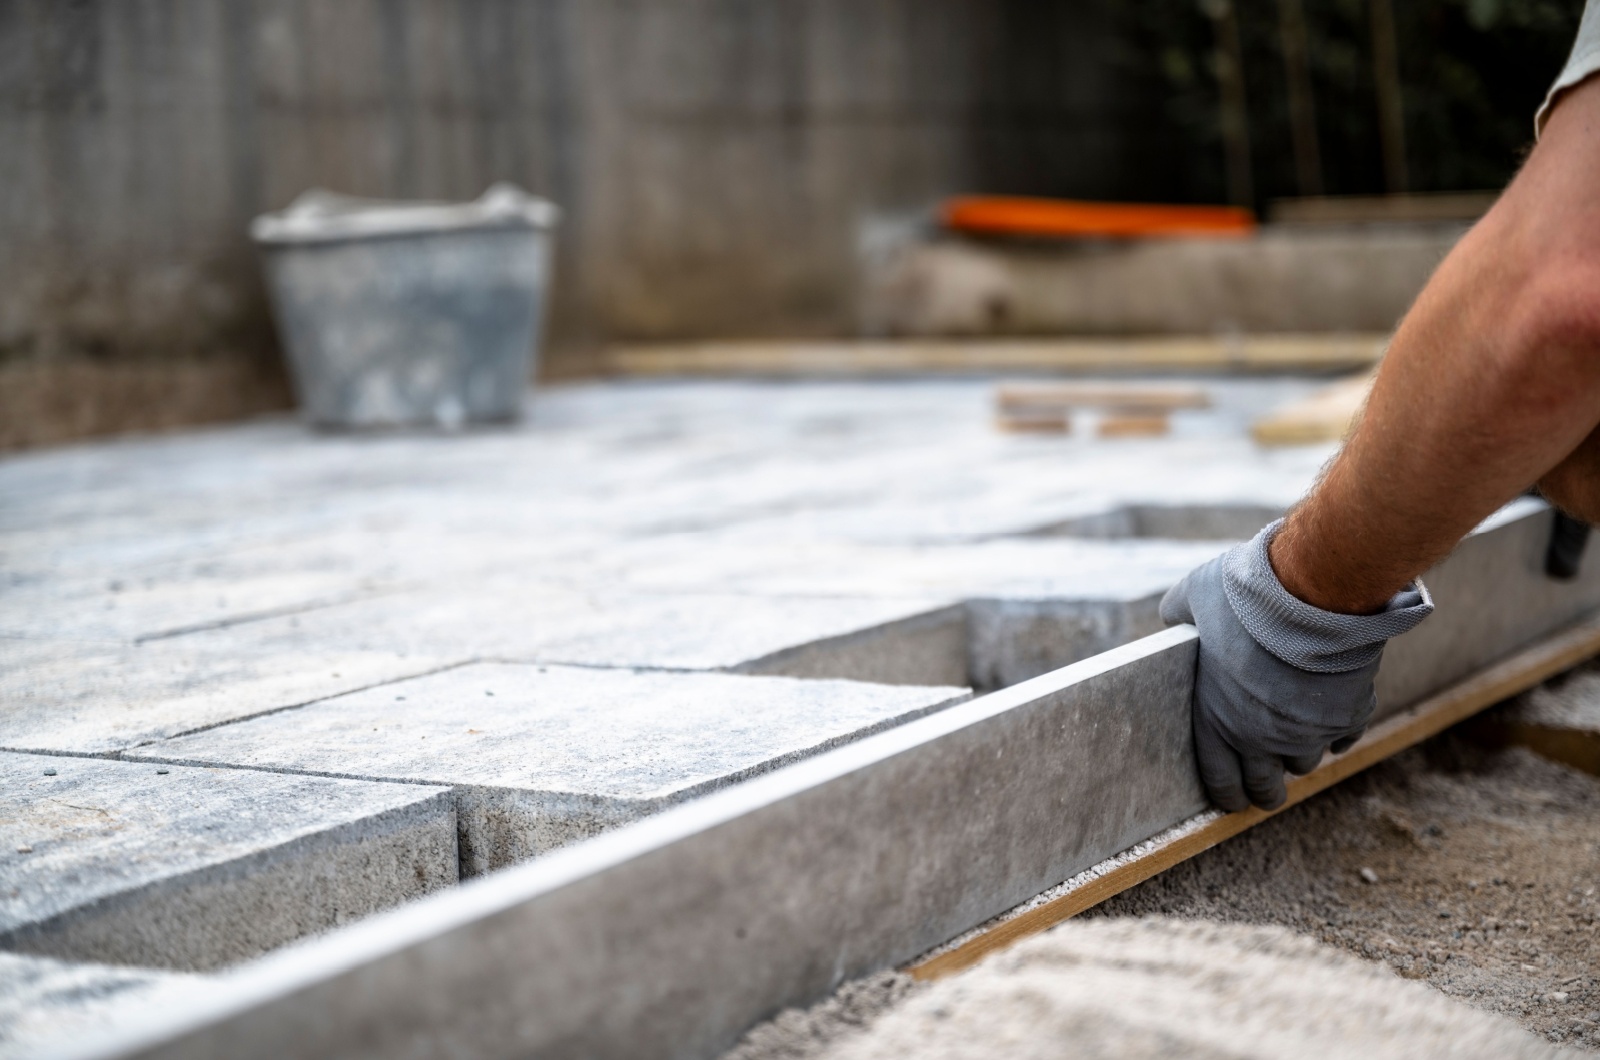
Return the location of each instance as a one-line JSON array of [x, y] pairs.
[[1385, 739], [1254, 353], [1578, 748], [1325, 416], [1031, 395], [1134, 425]]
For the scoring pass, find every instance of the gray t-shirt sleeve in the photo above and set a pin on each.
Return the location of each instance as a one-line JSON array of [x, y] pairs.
[[1585, 60]]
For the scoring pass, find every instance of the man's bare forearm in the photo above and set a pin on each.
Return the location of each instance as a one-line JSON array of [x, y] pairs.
[[1492, 384]]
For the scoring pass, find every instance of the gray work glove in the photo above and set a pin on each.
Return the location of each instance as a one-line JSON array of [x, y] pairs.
[[1278, 681]]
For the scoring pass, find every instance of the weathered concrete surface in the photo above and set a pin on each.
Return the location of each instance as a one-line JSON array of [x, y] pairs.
[[90, 701], [1171, 522], [1033, 604], [197, 868], [158, 586], [672, 935], [930, 648], [67, 698], [539, 757], [47, 1006], [831, 868], [849, 531], [1291, 279]]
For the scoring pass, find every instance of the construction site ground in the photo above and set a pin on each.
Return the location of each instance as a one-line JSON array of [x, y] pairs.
[[1473, 870], [255, 662]]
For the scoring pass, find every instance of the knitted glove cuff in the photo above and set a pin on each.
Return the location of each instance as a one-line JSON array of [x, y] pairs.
[[1305, 636]]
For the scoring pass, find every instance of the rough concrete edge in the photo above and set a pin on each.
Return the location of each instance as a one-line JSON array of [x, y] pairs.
[[303, 967], [437, 805]]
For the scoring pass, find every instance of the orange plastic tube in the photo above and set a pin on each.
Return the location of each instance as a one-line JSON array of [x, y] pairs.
[[1066, 218]]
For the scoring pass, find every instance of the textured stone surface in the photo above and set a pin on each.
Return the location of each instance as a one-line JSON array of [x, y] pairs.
[[195, 868], [541, 756], [154, 587], [63, 698], [92, 699], [47, 1006], [1032, 604]]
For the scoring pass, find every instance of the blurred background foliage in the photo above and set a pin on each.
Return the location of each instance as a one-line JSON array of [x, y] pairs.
[[1471, 73]]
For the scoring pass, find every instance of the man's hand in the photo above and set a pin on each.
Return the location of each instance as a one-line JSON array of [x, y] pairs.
[[1278, 681]]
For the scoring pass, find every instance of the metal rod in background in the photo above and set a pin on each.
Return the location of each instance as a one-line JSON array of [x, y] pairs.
[[1568, 536], [1295, 43], [1235, 114], [1391, 105]]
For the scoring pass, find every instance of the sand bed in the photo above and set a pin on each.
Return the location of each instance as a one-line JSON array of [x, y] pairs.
[[1482, 881]]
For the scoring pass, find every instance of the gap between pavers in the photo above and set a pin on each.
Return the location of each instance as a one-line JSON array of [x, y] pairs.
[[192, 869], [541, 756]]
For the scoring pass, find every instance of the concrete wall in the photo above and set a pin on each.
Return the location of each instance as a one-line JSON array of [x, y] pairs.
[[714, 156], [1288, 279]]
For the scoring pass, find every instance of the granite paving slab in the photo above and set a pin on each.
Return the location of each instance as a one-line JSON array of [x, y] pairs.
[[521, 620], [541, 756], [192, 869], [75, 698]]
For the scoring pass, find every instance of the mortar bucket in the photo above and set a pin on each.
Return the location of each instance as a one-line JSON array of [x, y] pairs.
[[404, 313]]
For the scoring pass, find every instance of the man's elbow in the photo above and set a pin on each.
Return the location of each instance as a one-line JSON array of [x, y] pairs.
[[1552, 338]]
